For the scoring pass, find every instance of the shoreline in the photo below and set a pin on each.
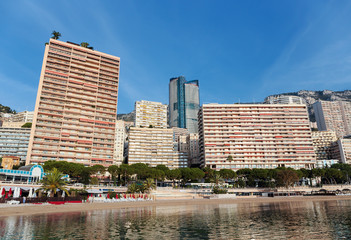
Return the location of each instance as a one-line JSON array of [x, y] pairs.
[[27, 210]]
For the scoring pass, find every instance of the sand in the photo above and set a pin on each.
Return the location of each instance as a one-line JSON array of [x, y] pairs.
[[31, 209]]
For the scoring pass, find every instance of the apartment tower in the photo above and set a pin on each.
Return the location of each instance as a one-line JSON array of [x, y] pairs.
[[76, 107], [184, 102], [334, 116], [236, 136]]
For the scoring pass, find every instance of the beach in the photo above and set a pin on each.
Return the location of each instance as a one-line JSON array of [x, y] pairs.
[[32, 209]]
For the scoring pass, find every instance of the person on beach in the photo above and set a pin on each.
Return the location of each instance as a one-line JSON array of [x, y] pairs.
[[24, 199]]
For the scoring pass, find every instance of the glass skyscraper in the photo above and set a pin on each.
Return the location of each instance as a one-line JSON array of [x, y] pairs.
[[184, 102]]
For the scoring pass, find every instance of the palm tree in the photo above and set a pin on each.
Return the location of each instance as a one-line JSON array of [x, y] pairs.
[[149, 184], [54, 180], [55, 35], [86, 45]]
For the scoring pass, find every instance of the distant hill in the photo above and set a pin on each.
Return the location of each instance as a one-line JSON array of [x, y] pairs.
[[128, 117], [313, 96], [6, 109]]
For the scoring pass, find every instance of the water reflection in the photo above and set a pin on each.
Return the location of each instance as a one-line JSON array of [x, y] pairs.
[[286, 220]]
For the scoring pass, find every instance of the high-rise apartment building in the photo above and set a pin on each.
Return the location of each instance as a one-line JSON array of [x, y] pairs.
[[150, 114], [120, 137], [76, 107], [333, 115], [237, 136], [184, 102], [14, 142], [154, 146], [322, 144], [25, 116]]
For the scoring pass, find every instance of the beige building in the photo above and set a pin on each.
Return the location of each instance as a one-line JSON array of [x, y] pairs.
[[9, 161], [342, 150], [335, 116], [120, 138], [13, 124], [236, 136], [322, 144], [154, 146], [25, 116], [193, 148], [76, 107], [149, 114]]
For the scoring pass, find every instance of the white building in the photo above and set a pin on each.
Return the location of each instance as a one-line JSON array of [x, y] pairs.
[[120, 136]]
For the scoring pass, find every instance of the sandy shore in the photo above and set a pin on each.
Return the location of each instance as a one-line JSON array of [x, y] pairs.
[[79, 207]]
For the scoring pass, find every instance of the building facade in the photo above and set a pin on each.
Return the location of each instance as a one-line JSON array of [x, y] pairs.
[[193, 146], [344, 150], [14, 142], [150, 114], [154, 146], [76, 107], [120, 137], [25, 116], [9, 161], [322, 144], [334, 116], [184, 103], [236, 136]]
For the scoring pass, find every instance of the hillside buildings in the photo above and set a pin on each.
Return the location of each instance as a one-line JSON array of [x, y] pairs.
[[14, 142], [76, 107], [284, 99], [184, 102], [236, 136], [335, 116], [150, 114]]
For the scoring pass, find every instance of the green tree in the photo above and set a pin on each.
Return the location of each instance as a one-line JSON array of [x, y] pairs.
[[287, 177], [230, 158], [27, 125], [94, 181], [149, 184], [227, 174], [55, 35], [174, 174], [86, 45], [114, 170], [54, 180]]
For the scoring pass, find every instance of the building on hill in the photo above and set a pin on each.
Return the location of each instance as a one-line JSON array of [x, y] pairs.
[[284, 99], [342, 150], [8, 162], [76, 107], [334, 116], [184, 103], [14, 142], [236, 136]]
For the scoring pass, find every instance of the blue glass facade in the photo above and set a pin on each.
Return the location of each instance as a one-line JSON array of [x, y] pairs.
[[183, 103]]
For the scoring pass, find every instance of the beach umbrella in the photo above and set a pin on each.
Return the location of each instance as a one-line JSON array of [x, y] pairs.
[[10, 192], [34, 195], [2, 192], [20, 193], [64, 194], [108, 195], [6, 196], [117, 196], [30, 195]]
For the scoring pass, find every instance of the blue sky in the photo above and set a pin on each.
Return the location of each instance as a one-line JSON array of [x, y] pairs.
[[238, 50]]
